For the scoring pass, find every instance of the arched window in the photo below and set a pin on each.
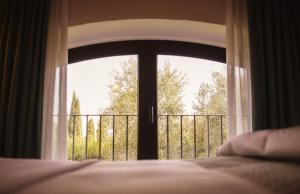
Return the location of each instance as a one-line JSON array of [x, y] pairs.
[[163, 130]]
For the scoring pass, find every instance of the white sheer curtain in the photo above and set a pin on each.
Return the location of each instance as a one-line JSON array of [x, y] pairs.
[[238, 68], [55, 84]]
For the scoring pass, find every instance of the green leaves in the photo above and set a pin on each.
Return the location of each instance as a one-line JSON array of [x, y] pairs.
[[212, 98], [170, 90], [123, 90], [75, 120]]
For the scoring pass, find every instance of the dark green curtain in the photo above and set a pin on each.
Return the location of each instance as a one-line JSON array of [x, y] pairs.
[[274, 30], [23, 36]]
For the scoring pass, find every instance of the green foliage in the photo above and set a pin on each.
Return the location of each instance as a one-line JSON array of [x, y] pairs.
[[210, 99], [123, 90], [92, 142], [170, 92], [75, 120], [123, 95], [170, 88]]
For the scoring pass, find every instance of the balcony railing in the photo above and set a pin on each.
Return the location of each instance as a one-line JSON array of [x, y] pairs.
[[164, 120]]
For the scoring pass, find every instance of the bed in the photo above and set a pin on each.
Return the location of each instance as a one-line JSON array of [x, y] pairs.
[[257, 166]]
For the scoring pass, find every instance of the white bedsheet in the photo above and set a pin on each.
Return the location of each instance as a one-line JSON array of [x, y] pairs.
[[155, 177]]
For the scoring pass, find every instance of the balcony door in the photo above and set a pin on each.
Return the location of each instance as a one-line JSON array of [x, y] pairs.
[[147, 53]]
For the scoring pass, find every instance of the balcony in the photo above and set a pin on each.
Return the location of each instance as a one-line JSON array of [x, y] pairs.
[[115, 138]]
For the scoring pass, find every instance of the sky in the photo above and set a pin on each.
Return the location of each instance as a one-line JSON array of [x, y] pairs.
[[90, 79]]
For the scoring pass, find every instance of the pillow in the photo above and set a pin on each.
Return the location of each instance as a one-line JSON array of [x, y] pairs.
[[272, 143]]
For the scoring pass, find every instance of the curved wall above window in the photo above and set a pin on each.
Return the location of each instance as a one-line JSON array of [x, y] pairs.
[[147, 29], [87, 11]]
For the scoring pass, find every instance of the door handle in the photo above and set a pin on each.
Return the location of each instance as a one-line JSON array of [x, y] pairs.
[[151, 114]]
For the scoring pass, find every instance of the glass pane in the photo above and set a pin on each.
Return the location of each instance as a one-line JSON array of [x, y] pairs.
[[192, 107], [102, 107]]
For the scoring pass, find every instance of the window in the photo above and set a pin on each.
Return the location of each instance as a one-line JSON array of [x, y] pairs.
[[192, 106], [154, 129], [102, 106]]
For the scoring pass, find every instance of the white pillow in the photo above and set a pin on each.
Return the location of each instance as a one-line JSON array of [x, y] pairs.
[[272, 143]]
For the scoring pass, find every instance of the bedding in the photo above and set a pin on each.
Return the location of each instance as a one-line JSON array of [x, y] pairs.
[[274, 144], [155, 177], [276, 165], [279, 177], [271, 166]]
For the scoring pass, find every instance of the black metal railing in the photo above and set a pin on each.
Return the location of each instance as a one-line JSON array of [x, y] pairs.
[[194, 119], [167, 125]]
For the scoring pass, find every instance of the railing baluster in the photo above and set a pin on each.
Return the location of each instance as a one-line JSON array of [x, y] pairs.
[[73, 132], [113, 139], [195, 144], [168, 154], [221, 130], [86, 137], [180, 136], [208, 146], [100, 137], [126, 137]]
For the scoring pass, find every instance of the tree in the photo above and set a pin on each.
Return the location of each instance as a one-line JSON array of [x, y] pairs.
[[171, 84], [211, 99], [218, 100], [75, 120], [202, 100], [93, 151], [91, 129], [170, 90], [123, 90], [123, 93]]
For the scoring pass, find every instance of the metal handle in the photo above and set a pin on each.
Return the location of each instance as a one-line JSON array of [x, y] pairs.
[[151, 114]]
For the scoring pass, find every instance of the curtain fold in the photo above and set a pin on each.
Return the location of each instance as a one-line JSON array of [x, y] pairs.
[[238, 68], [23, 39], [54, 146], [275, 61]]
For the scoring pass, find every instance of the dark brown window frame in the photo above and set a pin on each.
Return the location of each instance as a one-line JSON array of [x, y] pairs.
[[147, 51]]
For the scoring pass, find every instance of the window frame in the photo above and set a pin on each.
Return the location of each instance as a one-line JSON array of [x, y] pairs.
[[147, 52], [161, 47]]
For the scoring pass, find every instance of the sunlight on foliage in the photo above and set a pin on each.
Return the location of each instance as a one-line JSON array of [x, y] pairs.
[[210, 99]]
